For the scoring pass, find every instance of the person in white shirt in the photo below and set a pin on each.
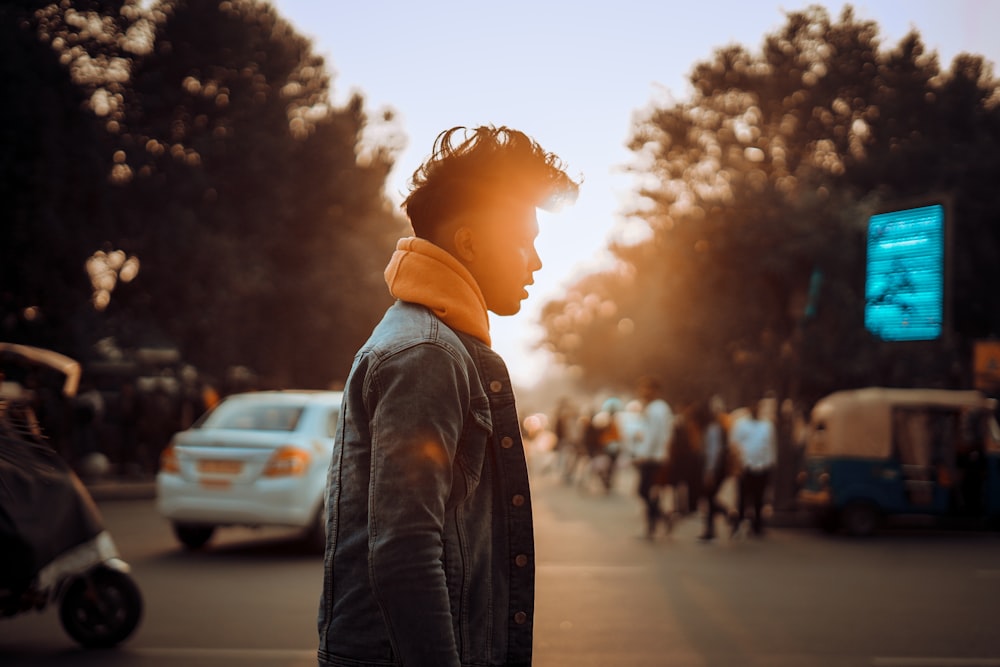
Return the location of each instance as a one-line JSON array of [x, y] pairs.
[[651, 450], [754, 439]]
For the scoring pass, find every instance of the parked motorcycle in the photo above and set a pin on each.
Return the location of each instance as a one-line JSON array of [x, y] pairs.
[[54, 548]]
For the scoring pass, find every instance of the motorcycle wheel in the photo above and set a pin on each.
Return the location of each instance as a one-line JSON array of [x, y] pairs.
[[101, 609]]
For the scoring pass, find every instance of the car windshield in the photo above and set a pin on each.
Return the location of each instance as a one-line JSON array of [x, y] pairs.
[[255, 416]]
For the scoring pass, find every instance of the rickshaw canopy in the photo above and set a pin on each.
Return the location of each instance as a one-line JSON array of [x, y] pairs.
[[858, 422]]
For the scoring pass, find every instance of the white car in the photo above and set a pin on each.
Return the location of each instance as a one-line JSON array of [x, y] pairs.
[[256, 459]]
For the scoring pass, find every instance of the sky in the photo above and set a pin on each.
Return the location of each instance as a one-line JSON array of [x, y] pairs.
[[572, 74]]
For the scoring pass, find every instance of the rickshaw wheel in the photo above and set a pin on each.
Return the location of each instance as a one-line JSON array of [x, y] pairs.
[[860, 518]]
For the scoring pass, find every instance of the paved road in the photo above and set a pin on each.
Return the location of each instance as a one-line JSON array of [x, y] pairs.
[[795, 598], [605, 598]]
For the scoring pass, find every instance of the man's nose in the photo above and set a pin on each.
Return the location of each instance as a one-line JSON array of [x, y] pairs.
[[534, 262]]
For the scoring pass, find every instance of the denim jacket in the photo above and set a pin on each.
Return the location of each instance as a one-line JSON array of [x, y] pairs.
[[430, 551]]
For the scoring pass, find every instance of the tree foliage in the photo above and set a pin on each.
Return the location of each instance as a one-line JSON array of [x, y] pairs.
[[252, 207], [53, 198], [760, 186]]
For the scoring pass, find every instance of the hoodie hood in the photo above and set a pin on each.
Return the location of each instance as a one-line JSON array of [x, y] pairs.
[[423, 273]]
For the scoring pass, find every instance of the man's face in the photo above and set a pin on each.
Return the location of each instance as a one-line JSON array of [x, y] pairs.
[[505, 256]]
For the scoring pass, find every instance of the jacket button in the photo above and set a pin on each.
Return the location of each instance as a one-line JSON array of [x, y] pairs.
[[521, 560], [496, 386], [520, 617], [517, 500], [507, 442]]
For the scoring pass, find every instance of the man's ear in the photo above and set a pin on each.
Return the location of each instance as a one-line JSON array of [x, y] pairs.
[[464, 243]]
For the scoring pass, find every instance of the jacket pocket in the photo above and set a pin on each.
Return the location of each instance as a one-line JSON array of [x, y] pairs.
[[471, 454]]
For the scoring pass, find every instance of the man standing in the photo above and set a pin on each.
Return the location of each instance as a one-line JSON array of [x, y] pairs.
[[754, 439], [651, 451], [430, 551]]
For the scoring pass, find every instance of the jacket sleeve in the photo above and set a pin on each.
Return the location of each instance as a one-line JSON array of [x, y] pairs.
[[419, 399]]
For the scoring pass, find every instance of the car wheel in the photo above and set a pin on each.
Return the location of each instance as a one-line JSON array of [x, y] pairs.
[[860, 518], [193, 536]]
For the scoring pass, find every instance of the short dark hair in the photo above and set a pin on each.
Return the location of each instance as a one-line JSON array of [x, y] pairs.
[[484, 166]]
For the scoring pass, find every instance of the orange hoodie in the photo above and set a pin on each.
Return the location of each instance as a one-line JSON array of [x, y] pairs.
[[421, 272]]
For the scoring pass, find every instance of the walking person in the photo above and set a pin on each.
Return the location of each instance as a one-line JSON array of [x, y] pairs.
[[716, 462], [686, 460], [430, 551], [610, 438], [568, 440], [754, 439], [649, 453], [602, 443]]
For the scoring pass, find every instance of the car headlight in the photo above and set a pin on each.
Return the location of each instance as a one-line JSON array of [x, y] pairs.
[[287, 461]]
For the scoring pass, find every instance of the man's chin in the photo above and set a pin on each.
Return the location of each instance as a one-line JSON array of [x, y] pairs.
[[507, 309]]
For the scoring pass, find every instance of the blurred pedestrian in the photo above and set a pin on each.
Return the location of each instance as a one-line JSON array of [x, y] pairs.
[[649, 453], [190, 399], [569, 439], [717, 461], [159, 422], [610, 438], [129, 413], [600, 448], [210, 396], [590, 451], [754, 439], [430, 552], [88, 416], [686, 460]]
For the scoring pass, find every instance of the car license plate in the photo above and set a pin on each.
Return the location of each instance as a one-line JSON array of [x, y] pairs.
[[211, 483], [214, 467]]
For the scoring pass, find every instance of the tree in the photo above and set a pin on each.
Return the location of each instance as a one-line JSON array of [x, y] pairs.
[[259, 206], [760, 187], [53, 194], [232, 211]]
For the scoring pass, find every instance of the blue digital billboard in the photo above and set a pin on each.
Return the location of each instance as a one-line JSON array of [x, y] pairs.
[[904, 286]]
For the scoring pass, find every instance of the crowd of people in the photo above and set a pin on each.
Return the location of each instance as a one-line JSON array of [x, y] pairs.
[[681, 457]]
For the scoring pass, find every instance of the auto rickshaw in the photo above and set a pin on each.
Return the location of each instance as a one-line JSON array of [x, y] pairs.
[[875, 453]]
